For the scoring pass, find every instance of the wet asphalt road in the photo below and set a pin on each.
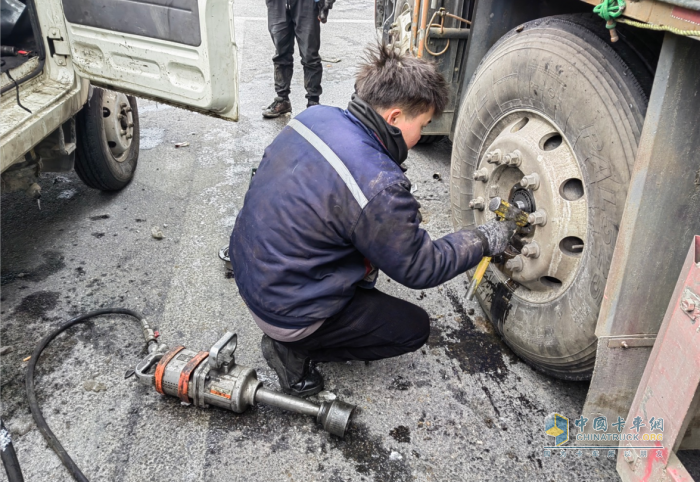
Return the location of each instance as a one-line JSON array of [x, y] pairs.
[[462, 408]]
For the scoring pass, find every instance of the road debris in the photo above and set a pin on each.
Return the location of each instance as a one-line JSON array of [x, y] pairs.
[[181, 144], [157, 233], [93, 386]]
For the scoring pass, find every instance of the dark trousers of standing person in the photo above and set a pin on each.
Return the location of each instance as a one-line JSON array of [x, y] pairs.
[[287, 20], [373, 326]]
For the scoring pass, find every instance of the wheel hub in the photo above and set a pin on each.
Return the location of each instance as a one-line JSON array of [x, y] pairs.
[[118, 122], [530, 163]]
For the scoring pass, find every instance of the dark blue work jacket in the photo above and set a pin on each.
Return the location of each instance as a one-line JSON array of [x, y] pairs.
[[326, 206]]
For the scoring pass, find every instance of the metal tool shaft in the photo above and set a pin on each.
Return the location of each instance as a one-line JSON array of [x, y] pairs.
[[286, 402]]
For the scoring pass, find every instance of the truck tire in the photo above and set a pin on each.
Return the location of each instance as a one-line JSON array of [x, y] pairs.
[[570, 103], [108, 140]]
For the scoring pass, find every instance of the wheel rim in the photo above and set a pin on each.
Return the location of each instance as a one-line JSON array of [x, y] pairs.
[[118, 122], [530, 162]]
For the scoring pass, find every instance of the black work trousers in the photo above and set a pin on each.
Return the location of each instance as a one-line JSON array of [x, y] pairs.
[[372, 326], [287, 19]]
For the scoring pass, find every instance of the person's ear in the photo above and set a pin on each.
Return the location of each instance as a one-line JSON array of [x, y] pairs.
[[393, 116]]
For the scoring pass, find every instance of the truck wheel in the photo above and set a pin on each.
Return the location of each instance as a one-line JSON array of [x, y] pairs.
[[551, 119], [108, 140]]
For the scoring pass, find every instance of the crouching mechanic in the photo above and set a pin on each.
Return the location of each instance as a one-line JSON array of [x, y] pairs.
[[328, 207]]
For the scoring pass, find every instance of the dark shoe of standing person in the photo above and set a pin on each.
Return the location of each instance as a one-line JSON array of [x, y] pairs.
[[297, 374], [312, 102], [278, 107]]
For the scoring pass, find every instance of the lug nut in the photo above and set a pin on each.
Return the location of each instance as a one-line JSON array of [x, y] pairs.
[[538, 218], [494, 157], [688, 305], [513, 159], [531, 181], [531, 250], [477, 203], [516, 264], [481, 175]]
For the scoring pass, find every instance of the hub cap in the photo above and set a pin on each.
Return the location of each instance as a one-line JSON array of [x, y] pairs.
[[118, 121], [530, 163]]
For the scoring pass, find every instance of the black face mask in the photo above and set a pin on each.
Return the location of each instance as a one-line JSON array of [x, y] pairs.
[[389, 135]]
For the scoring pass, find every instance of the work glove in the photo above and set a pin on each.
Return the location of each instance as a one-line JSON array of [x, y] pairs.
[[323, 7], [496, 236]]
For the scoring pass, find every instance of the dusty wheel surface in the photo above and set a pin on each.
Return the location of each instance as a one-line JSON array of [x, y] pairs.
[[108, 140], [551, 120]]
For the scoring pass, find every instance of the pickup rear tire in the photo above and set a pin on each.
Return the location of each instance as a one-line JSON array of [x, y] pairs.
[[585, 109], [108, 140]]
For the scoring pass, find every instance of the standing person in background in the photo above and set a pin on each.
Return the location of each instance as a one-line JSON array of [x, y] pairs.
[[287, 19]]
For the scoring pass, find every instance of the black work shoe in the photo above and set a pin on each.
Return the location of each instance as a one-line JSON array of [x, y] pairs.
[[278, 107], [297, 374], [312, 103]]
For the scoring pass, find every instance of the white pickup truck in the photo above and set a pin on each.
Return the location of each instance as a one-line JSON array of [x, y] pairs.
[[180, 52]]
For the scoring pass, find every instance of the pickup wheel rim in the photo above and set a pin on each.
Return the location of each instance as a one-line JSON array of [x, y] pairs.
[[118, 122], [530, 162]]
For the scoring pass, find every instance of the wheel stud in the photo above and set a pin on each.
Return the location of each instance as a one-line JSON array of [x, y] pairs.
[[481, 175], [477, 203], [531, 181], [531, 250], [494, 157], [122, 132], [516, 264], [513, 159], [538, 218]]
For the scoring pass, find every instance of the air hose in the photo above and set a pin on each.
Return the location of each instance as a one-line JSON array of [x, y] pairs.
[[51, 439], [203, 379]]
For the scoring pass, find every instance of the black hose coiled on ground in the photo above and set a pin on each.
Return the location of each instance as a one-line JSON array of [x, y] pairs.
[[31, 394]]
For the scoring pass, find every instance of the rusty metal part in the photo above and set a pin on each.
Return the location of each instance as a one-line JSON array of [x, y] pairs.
[[447, 33], [421, 31], [414, 24], [186, 373], [214, 378], [160, 368], [667, 391]]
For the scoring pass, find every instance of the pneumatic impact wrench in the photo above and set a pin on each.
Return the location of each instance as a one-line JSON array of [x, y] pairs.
[[213, 378]]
